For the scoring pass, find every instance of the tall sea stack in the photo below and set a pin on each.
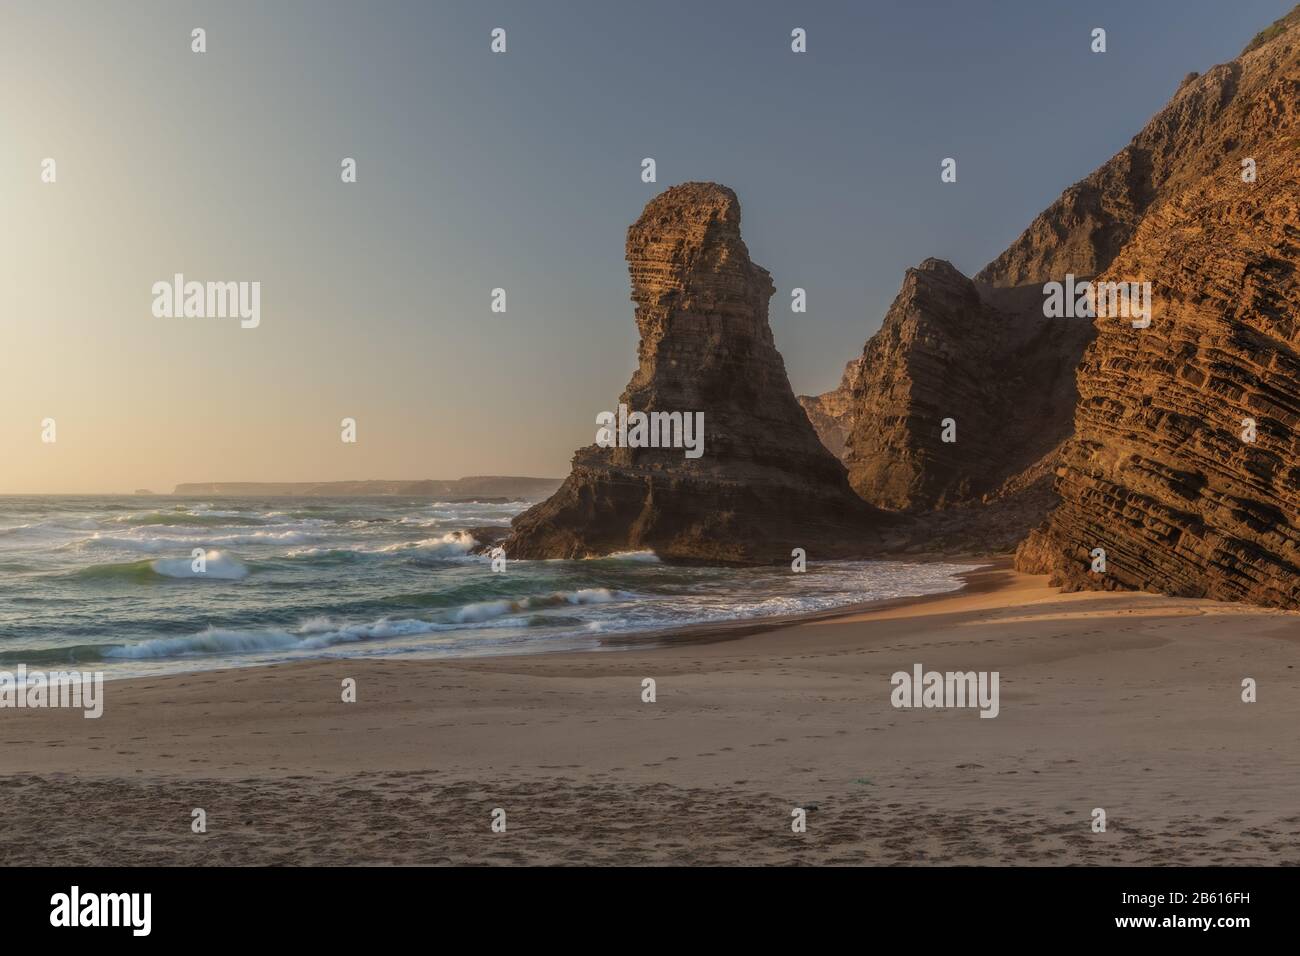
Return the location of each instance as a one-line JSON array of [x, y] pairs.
[[764, 484]]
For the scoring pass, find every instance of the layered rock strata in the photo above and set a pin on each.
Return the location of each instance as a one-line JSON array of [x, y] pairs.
[[764, 483], [1184, 467], [956, 396], [947, 341]]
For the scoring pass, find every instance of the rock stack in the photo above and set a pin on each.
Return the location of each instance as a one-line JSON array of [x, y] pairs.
[[764, 484]]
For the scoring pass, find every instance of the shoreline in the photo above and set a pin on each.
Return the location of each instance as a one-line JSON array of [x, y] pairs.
[[1124, 701], [977, 577]]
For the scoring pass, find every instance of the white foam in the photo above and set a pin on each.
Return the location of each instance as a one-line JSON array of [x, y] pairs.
[[487, 610], [315, 634], [52, 529], [450, 545], [484, 611], [174, 538], [218, 565], [648, 557], [595, 596], [215, 640]]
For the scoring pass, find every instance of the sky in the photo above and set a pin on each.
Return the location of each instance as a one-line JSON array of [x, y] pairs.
[[479, 170]]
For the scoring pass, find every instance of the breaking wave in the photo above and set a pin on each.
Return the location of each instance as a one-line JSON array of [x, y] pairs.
[[219, 566], [322, 632]]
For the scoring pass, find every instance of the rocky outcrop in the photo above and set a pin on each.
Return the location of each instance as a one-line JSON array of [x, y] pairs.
[[956, 396], [832, 413], [1161, 474], [764, 483], [922, 373], [1085, 229], [982, 352]]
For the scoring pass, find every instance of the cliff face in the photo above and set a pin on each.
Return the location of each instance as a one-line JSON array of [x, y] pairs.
[[958, 397], [982, 352], [1159, 473], [764, 483], [1084, 230], [832, 413]]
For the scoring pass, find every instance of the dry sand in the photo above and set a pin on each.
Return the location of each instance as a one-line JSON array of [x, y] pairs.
[[1128, 702]]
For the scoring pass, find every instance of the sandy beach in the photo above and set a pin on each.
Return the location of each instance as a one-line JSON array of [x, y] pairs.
[[1122, 701]]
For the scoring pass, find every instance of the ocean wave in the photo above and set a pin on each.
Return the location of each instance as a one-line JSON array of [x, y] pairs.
[[324, 555], [316, 634], [46, 530], [320, 632], [220, 566], [139, 571], [182, 519], [151, 542], [438, 521], [208, 509], [217, 566], [645, 557], [487, 610], [212, 641], [449, 545], [452, 546], [68, 655], [518, 504]]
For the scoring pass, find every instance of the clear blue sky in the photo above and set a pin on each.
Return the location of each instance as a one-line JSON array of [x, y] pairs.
[[478, 170]]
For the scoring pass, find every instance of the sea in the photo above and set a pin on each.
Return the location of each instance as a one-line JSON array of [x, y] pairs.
[[108, 583]]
